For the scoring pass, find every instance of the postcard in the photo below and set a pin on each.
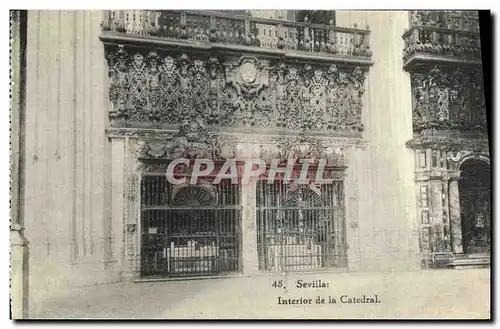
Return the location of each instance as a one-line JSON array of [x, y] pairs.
[[250, 164]]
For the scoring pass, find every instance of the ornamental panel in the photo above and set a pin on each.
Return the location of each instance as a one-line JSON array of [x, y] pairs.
[[167, 88], [448, 99]]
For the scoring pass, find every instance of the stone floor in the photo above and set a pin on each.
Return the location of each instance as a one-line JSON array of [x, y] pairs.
[[421, 294]]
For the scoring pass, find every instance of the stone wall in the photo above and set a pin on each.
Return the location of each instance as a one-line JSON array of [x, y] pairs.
[[67, 154], [388, 228]]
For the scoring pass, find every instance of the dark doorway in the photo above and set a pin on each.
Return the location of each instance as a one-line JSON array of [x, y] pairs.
[[475, 201]]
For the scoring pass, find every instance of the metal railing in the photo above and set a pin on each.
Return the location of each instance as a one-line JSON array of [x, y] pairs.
[[299, 228], [190, 230], [217, 27]]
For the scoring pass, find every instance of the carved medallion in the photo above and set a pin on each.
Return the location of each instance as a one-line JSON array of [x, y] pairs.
[[248, 72]]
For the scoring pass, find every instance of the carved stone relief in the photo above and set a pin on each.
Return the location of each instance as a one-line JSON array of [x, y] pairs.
[[191, 141], [165, 88], [450, 19], [449, 144], [447, 99]]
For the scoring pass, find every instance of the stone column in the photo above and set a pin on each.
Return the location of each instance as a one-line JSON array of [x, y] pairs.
[[132, 216], [455, 222], [250, 258], [436, 213]]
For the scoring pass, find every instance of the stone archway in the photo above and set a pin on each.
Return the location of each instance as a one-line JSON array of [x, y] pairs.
[[475, 200]]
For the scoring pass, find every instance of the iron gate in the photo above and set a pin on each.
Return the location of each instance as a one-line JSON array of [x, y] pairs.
[[189, 230], [300, 227]]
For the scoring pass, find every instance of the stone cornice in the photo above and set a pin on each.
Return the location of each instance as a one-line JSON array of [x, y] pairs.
[[119, 38], [449, 144], [266, 138], [421, 61]]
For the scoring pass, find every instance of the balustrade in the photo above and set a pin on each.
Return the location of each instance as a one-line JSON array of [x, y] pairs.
[[444, 42], [448, 34], [217, 27], [457, 20]]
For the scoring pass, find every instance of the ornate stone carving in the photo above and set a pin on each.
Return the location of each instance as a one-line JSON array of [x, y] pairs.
[[131, 228], [449, 144], [443, 33], [448, 99], [248, 79], [191, 141], [317, 100], [301, 147], [153, 167], [139, 133], [447, 19], [455, 159], [164, 89]]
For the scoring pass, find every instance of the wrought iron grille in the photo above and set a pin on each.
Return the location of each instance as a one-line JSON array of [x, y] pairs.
[[300, 227], [189, 230]]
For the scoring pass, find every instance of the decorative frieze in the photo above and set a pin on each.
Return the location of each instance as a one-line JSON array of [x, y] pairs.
[[448, 99], [193, 141], [449, 143], [301, 147], [165, 88]]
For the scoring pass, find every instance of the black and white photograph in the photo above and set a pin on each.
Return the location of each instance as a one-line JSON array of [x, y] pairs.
[[250, 164]]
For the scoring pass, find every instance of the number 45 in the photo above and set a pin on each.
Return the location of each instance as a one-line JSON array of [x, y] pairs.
[[278, 284]]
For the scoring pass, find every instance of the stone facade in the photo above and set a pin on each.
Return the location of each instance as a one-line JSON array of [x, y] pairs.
[[107, 90], [443, 56]]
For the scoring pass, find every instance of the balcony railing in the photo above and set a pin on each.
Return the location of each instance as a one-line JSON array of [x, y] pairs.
[[442, 36], [458, 20], [207, 27], [442, 42]]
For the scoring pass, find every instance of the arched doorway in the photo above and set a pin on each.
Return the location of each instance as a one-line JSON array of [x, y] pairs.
[[475, 201]]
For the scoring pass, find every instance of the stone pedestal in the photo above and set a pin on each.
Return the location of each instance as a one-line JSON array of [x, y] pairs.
[[19, 274], [456, 225]]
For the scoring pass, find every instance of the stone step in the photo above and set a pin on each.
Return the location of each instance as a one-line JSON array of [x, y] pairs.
[[471, 261], [473, 255]]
